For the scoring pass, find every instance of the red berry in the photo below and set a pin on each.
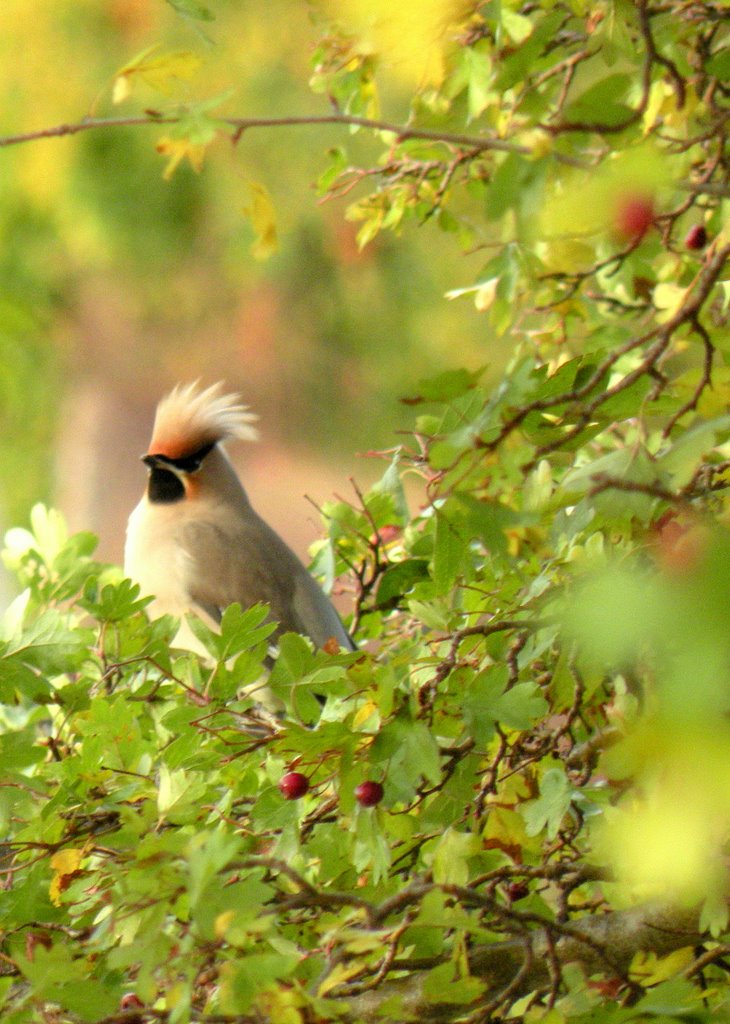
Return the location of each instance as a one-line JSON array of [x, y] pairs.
[[634, 217], [368, 794], [696, 237], [130, 1001], [517, 891], [293, 785]]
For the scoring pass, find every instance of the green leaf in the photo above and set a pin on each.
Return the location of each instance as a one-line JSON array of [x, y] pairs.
[[604, 102], [449, 552], [548, 811], [398, 579], [447, 385], [681, 458], [207, 855], [240, 631], [488, 701], [242, 979], [113, 601], [450, 860], [391, 484], [479, 80], [443, 984], [516, 184], [58, 975], [192, 9], [719, 64], [520, 706], [371, 850]]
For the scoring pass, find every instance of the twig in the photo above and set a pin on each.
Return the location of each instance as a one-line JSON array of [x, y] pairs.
[[477, 143]]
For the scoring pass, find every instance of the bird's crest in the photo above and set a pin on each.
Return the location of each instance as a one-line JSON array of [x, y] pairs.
[[191, 417]]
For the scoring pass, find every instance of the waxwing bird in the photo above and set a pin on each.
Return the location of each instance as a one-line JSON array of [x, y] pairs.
[[195, 542]]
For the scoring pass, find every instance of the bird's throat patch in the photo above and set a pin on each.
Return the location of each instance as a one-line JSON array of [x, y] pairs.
[[164, 487]]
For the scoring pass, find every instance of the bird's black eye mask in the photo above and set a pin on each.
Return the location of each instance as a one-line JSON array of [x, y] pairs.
[[186, 463]]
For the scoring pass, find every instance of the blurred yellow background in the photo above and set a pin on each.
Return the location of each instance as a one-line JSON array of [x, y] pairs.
[[116, 283]]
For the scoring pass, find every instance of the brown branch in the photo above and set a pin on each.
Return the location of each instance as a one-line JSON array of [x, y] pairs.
[[477, 143], [697, 294], [705, 380], [720, 951], [651, 56], [615, 937], [447, 664], [474, 144], [604, 482]]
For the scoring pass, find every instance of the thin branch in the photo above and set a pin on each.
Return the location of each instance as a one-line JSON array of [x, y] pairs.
[[710, 956], [697, 294], [705, 380], [244, 124], [604, 482], [475, 144]]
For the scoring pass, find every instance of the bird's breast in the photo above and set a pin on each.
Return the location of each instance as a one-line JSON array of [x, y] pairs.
[[155, 558]]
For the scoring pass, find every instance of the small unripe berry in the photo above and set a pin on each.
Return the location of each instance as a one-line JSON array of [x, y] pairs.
[[696, 237], [368, 794], [293, 785]]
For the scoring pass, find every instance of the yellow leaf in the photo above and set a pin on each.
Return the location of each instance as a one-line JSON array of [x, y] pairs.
[[668, 298], [411, 37], [364, 713], [66, 861], [663, 108], [566, 255], [176, 995], [161, 73], [222, 923], [263, 218], [281, 1004], [177, 149], [65, 864], [339, 974], [122, 89], [486, 294], [657, 99], [649, 969]]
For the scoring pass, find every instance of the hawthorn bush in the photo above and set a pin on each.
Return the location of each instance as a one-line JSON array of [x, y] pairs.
[[542, 685]]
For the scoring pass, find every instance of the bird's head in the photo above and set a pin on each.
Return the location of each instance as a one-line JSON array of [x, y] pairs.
[[190, 423]]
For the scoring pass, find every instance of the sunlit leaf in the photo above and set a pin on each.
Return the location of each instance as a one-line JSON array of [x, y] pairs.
[[65, 864], [179, 149], [161, 72], [412, 37], [263, 220]]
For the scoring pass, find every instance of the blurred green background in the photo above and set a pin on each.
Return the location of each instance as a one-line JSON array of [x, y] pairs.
[[115, 283]]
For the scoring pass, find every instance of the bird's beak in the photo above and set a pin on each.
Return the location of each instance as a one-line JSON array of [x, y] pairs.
[[153, 461], [160, 462]]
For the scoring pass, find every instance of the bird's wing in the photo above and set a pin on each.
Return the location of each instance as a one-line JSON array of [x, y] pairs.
[[246, 561], [315, 610]]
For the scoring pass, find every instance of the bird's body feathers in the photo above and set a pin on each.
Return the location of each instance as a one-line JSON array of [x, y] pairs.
[[195, 542]]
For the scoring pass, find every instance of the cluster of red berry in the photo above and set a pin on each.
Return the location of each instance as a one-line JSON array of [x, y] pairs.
[[294, 785]]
